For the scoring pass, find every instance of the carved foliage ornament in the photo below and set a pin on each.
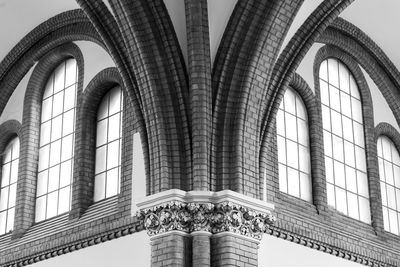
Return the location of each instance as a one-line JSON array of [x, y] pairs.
[[213, 218]]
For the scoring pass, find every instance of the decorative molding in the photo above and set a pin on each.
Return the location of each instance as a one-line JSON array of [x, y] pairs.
[[223, 212], [327, 248]]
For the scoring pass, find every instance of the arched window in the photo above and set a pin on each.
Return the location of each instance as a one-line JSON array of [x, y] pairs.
[[108, 145], [389, 173], [345, 161], [9, 176], [293, 147], [56, 146]]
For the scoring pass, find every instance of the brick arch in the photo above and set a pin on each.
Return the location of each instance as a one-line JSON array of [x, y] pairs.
[[368, 116], [250, 76], [65, 27], [25, 209], [155, 73], [8, 130], [374, 61]]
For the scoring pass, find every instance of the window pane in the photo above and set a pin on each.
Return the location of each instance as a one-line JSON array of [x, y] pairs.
[[280, 123], [383, 194], [52, 203], [281, 150], [386, 219], [344, 79], [337, 148], [292, 156], [362, 183], [46, 109], [71, 71], [112, 183], [365, 214], [113, 127], [290, 102], [341, 202], [115, 101], [100, 186], [304, 159], [333, 72], [69, 98], [347, 129], [391, 197], [291, 127], [12, 195], [305, 187], [336, 123], [59, 76], [55, 152], [351, 179], [329, 169], [100, 159], [56, 127], [45, 131], [66, 174], [323, 70], [113, 155], [44, 157], [293, 182], [354, 88], [10, 220], [63, 204], [67, 148], [54, 174], [101, 133], [40, 213], [324, 92], [353, 205], [394, 227], [302, 132], [68, 122], [356, 109], [326, 118], [3, 221], [58, 100], [41, 187], [339, 174], [5, 176], [4, 198], [349, 154], [334, 98], [331, 195]]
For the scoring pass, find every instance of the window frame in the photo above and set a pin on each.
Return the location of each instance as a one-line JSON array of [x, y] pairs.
[[9, 130], [324, 53]]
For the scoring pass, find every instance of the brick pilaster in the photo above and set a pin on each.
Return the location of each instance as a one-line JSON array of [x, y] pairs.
[[171, 249], [201, 249], [229, 249]]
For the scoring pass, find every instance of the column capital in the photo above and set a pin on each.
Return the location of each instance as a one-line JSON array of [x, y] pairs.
[[199, 211]]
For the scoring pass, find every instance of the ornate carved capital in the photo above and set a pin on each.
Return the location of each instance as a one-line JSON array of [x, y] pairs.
[[214, 217]]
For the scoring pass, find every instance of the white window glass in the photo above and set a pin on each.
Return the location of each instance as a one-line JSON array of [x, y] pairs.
[[108, 145], [345, 161], [389, 175], [293, 147], [56, 142], [8, 188]]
